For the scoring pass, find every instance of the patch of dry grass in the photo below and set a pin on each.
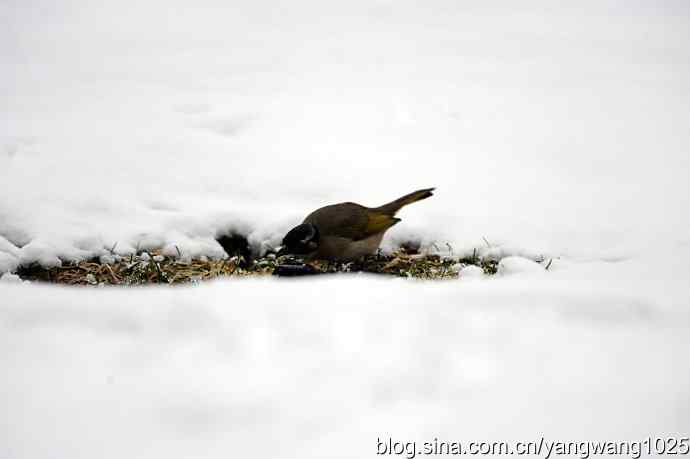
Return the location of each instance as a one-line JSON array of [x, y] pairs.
[[154, 268]]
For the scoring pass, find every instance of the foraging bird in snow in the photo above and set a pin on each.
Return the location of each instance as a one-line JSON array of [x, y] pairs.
[[346, 231]]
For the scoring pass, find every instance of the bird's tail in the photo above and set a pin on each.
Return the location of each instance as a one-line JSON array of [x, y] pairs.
[[393, 207]]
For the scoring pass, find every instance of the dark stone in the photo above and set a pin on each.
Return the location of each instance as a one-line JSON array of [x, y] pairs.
[[294, 270]]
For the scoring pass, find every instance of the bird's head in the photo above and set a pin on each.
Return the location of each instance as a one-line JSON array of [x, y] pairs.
[[301, 240]]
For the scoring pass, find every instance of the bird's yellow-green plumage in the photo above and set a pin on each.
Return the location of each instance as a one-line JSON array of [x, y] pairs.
[[378, 222]]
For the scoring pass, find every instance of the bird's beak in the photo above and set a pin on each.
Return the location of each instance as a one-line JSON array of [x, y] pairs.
[[280, 251]]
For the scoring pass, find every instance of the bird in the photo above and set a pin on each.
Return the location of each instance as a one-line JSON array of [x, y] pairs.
[[346, 231]]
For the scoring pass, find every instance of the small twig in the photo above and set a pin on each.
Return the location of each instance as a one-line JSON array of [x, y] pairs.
[[548, 265], [487, 242], [158, 269], [114, 276]]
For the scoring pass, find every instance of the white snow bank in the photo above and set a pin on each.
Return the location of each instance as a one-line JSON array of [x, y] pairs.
[[471, 272], [516, 265], [9, 278], [8, 263], [547, 130], [324, 367]]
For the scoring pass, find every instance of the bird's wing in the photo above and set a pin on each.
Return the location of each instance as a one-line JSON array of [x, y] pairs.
[[350, 220], [379, 222]]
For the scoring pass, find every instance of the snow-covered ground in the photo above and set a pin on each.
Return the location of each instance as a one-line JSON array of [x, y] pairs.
[[262, 368], [548, 130], [558, 130]]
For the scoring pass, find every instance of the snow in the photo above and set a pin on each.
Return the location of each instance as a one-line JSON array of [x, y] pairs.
[[9, 256], [323, 367], [516, 265], [551, 132], [547, 131], [471, 272], [10, 278]]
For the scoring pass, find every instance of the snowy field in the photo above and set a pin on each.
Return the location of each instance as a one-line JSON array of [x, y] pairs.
[[549, 131], [314, 369]]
